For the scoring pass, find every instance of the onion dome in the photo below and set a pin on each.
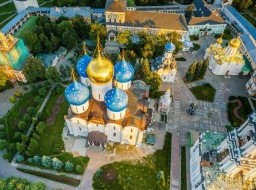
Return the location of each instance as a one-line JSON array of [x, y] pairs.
[[83, 63], [219, 40], [77, 93], [235, 43], [124, 71], [100, 70], [116, 100], [169, 47]]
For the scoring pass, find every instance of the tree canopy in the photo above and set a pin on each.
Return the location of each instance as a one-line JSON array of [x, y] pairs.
[[52, 75], [34, 69]]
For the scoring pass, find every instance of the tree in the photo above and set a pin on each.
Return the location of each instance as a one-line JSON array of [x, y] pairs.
[[31, 110], [69, 166], [124, 37], [37, 99], [52, 75], [7, 156], [26, 118], [79, 169], [191, 72], [17, 136], [242, 5], [131, 3], [37, 160], [37, 186], [98, 30], [3, 77], [36, 136], [47, 161], [56, 164], [55, 41], [34, 69], [22, 125], [42, 92], [32, 41], [3, 144], [40, 127], [189, 11], [21, 147]]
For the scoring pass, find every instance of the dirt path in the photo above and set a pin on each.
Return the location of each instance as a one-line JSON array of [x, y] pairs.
[[235, 111]]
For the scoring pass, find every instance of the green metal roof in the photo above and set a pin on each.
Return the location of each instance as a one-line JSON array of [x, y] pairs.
[[247, 65]]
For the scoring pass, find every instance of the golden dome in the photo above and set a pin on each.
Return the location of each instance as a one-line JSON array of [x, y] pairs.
[[100, 70], [219, 40], [235, 43]]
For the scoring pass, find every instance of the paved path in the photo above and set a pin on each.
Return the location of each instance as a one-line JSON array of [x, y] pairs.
[[4, 3], [175, 165]]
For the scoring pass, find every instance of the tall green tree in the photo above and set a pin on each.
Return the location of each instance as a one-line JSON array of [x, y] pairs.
[[124, 37], [52, 75], [191, 72], [242, 5], [34, 69], [3, 77], [98, 30]]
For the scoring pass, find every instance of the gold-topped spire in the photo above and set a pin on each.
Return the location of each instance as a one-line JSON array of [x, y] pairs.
[[235, 43], [84, 48], [100, 70]]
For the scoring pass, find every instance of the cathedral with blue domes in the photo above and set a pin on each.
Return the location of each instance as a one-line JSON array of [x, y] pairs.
[[105, 104]]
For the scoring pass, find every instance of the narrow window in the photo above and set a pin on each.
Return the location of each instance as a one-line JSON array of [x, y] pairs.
[[130, 136], [131, 130], [114, 134]]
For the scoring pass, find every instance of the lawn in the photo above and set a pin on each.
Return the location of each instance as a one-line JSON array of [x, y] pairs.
[[196, 47], [29, 26], [243, 112], [10, 7], [153, 172], [53, 133], [183, 169], [204, 92], [10, 15], [249, 18]]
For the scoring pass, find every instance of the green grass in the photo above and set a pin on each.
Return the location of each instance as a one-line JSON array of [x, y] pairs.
[[8, 20], [53, 134], [59, 178], [141, 175], [196, 47], [183, 169], [8, 8], [204, 92], [194, 37], [244, 111], [249, 19], [29, 26]]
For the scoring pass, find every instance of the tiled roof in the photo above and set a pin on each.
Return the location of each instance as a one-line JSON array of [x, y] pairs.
[[214, 18], [201, 9], [250, 28], [70, 12], [116, 5], [158, 20], [250, 46]]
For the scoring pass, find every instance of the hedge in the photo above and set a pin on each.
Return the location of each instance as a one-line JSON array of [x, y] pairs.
[[59, 178]]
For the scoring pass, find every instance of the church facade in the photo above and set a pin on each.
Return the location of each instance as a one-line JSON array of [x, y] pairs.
[[225, 61], [106, 105]]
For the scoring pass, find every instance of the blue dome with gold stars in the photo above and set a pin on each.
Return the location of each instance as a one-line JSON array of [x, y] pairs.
[[169, 47], [116, 100], [82, 64], [124, 71], [77, 93]]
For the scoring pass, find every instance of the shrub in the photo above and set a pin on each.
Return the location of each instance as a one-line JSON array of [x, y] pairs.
[[3, 144], [59, 90], [17, 136], [22, 125], [36, 136], [7, 156], [12, 147], [69, 166], [21, 147], [40, 127], [57, 148], [31, 110], [37, 160], [42, 92], [13, 99], [196, 47], [18, 93], [30, 160], [56, 164], [25, 88], [79, 169], [28, 153], [26, 118], [20, 158], [24, 139], [3, 134], [37, 99], [47, 161], [42, 116], [33, 143], [37, 186]]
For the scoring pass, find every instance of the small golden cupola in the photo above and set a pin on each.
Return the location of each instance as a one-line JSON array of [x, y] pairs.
[[100, 70], [235, 43]]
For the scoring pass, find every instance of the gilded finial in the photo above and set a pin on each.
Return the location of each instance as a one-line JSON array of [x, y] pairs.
[[84, 48]]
